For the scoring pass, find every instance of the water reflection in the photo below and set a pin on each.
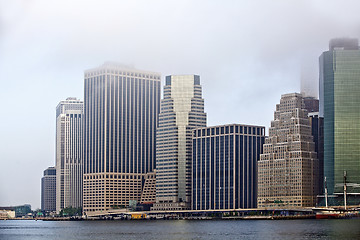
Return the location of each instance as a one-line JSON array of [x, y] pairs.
[[182, 229]]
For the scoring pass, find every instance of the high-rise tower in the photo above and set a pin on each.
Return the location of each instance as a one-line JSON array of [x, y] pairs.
[[224, 166], [120, 119], [48, 190], [182, 110], [340, 107], [288, 168], [69, 152]]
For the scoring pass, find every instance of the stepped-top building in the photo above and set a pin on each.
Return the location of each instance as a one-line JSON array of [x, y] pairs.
[[288, 167], [182, 110]]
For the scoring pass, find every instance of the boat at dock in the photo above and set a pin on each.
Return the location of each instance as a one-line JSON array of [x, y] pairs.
[[336, 212]]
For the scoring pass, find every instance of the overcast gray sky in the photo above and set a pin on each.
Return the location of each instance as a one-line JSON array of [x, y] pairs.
[[247, 54]]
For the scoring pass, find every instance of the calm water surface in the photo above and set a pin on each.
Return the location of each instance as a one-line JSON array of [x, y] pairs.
[[181, 229]]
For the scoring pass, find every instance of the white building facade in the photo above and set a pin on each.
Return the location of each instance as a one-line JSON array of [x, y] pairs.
[[69, 154]]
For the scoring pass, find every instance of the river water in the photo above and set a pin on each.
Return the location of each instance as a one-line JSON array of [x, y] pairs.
[[181, 229]]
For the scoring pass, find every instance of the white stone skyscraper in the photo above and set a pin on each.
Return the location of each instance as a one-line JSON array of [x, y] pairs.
[[120, 119], [182, 110], [288, 167], [69, 153]]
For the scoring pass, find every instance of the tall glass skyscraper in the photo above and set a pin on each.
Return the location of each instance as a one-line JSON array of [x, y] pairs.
[[69, 153], [182, 110], [340, 107], [120, 119]]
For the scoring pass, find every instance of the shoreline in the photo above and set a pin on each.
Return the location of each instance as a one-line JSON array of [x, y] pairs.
[[255, 217]]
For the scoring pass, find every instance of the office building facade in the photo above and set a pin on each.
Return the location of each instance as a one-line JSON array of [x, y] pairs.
[[48, 190], [288, 167], [224, 166], [182, 110], [120, 120], [317, 131], [69, 153], [340, 107]]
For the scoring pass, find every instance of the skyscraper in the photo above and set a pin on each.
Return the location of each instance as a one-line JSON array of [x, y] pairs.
[[48, 190], [317, 131], [288, 168], [340, 107], [120, 119], [69, 153], [182, 110], [224, 166]]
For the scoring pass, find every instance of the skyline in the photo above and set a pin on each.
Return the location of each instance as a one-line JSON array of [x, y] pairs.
[[45, 49]]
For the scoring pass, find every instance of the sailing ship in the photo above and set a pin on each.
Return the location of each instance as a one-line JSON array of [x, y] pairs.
[[330, 212]]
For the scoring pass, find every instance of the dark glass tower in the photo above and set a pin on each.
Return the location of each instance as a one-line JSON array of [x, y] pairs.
[[121, 107], [48, 190], [224, 166], [340, 107]]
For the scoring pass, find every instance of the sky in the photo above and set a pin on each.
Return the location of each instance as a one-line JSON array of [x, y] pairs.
[[246, 52]]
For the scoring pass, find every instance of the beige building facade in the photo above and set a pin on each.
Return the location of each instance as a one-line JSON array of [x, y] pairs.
[[288, 167], [182, 110]]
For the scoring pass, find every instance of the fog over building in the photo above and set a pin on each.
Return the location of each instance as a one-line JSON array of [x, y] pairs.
[[288, 167], [182, 110], [340, 107], [121, 107], [69, 153]]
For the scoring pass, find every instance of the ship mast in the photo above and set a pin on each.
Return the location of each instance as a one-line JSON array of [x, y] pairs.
[[345, 190], [326, 193]]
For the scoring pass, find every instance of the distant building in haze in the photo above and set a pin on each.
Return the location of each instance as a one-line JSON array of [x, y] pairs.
[[48, 190], [182, 110], [120, 120], [311, 104], [69, 153], [317, 131], [288, 167], [340, 107], [224, 166]]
